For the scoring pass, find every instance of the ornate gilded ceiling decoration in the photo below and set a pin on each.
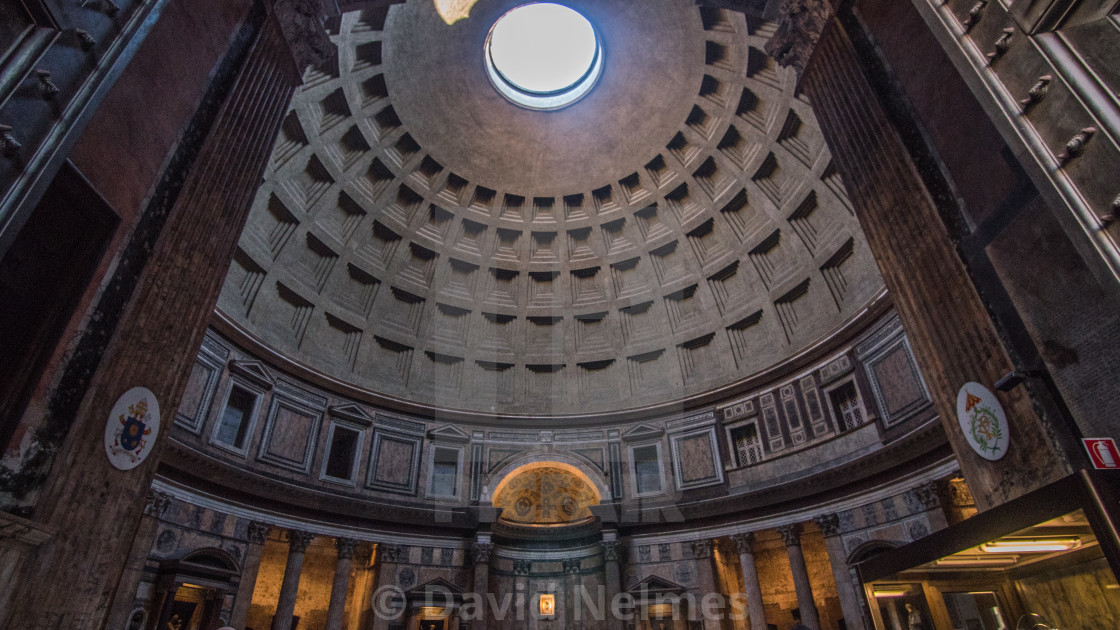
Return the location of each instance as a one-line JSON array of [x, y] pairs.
[[545, 495], [678, 229]]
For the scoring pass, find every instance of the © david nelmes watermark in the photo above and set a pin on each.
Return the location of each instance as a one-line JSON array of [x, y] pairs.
[[389, 602]]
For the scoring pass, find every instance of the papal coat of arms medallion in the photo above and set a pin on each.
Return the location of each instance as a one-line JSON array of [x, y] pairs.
[[983, 421], [132, 428]]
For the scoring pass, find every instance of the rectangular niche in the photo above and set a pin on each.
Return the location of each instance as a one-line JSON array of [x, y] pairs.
[[685, 309], [544, 288], [380, 249], [696, 459], [597, 380], [697, 358], [493, 382], [450, 324], [391, 360], [291, 428], [639, 323], [594, 332], [648, 372], [502, 287], [545, 381], [496, 332], [195, 403], [403, 311], [460, 279], [545, 335], [647, 475], [394, 462], [587, 286], [344, 444], [628, 279], [446, 373], [579, 245]]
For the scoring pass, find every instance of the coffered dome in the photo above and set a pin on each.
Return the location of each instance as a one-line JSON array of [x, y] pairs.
[[419, 236]]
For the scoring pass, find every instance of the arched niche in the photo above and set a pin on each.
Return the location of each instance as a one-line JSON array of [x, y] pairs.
[[546, 493]]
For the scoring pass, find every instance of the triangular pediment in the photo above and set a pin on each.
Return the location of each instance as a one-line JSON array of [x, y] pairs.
[[449, 433], [351, 413], [436, 587], [254, 372], [642, 432], [656, 585]]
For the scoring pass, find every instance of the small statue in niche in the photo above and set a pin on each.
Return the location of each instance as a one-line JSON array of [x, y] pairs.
[[913, 618]]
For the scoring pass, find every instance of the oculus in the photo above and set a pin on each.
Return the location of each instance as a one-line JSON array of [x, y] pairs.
[[543, 56]]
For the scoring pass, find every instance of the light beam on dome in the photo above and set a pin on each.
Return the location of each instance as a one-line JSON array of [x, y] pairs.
[[451, 11]]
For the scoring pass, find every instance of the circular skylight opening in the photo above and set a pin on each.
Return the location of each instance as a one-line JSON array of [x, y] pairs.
[[543, 55]]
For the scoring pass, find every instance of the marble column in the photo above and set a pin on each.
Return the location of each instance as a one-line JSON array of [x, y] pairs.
[[125, 597], [70, 580], [744, 544], [791, 536], [257, 534], [480, 555], [704, 552], [838, 559], [571, 593], [948, 325], [336, 609], [612, 577], [388, 556], [289, 587], [521, 569]]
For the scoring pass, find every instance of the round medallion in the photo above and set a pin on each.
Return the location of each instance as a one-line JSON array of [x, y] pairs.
[[983, 422], [131, 430]]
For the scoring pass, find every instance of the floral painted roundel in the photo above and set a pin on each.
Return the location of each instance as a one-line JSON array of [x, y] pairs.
[[132, 428], [983, 421]]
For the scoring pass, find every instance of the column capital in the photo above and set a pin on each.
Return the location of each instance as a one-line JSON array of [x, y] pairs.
[[800, 24], [571, 566], [298, 540], [391, 553], [612, 550], [744, 543], [362, 553], [931, 494], [522, 567], [481, 552], [791, 534], [301, 22], [345, 547], [829, 524], [703, 548], [156, 503], [257, 532]]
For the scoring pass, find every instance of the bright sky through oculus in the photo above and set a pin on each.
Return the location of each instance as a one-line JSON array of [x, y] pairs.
[[543, 47]]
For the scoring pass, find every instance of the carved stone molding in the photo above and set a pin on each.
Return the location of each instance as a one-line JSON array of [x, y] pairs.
[[481, 552], [301, 21], [612, 550], [522, 567], [800, 25], [258, 532], [743, 542], [156, 503], [791, 534], [571, 566], [931, 494], [829, 524], [391, 553], [298, 540], [345, 547], [703, 548]]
